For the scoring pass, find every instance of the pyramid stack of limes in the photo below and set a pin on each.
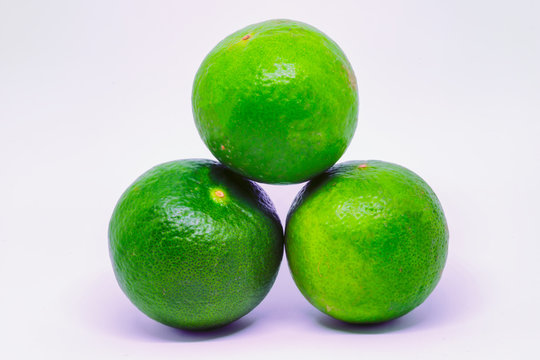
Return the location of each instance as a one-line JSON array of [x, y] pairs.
[[197, 244]]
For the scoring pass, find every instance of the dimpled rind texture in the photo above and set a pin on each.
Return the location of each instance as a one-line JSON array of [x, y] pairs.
[[366, 241], [276, 102], [194, 245]]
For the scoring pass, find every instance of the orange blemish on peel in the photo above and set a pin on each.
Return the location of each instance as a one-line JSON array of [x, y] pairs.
[[362, 166], [246, 37], [219, 193], [222, 147]]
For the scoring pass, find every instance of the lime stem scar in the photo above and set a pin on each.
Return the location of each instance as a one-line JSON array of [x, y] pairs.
[[219, 193]]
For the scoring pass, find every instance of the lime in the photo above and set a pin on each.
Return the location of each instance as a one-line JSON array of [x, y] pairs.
[[276, 101], [194, 245], [366, 241]]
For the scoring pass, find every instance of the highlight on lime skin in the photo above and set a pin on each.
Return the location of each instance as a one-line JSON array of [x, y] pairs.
[[218, 195]]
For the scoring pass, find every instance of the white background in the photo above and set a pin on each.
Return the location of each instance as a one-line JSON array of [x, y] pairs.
[[94, 93]]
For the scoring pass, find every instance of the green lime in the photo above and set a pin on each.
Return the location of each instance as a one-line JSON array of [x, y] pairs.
[[194, 245], [276, 101], [366, 241]]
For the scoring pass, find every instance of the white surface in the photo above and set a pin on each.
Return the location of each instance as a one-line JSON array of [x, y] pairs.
[[93, 93]]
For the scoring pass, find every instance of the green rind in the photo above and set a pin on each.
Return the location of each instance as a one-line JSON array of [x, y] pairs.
[[366, 241], [188, 258], [278, 107]]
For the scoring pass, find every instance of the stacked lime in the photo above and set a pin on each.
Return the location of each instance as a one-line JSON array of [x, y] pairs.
[[276, 102], [366, 241], [197, 244], [194, 245]]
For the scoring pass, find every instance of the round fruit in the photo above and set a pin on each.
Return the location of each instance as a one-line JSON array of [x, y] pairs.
[[366, 241], [276, 102], [194, 245]]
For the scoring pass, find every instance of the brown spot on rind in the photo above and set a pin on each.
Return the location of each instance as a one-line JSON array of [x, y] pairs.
[[352, 78], [246, 37]]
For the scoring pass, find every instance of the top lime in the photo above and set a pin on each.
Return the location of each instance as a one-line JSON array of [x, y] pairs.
[[276, 101]]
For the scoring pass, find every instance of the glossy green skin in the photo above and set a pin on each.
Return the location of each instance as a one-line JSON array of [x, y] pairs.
[[276, 102], [366, 241], [187, 257]]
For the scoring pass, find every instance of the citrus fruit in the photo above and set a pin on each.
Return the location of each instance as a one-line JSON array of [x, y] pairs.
[[194, 245], [366, 241], [276, 101]]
